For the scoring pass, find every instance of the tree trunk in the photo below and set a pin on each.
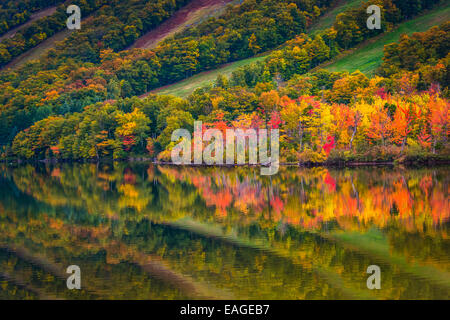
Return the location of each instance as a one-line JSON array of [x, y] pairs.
[[434, 145], [403, 144], [300, 132], [353, 136]]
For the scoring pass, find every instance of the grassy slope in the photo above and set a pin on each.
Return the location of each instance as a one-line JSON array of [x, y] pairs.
[[36, 52], [187, 86], [368, 56], [34, 17], [327, 20]]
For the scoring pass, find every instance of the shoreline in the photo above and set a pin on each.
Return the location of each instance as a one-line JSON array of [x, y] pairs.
[[339, 164]]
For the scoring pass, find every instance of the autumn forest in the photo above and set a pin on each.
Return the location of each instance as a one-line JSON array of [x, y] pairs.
[[87, 98]]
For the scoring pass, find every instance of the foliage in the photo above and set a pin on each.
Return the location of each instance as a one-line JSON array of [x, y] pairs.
[[16, 12], [84, 111]]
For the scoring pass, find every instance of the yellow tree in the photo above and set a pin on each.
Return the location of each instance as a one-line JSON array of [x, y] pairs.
[[292, 114], [269, 101], [380, 125], [253, 44], [133, 128], [439, 118]]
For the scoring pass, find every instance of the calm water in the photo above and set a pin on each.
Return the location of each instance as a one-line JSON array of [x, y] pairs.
[[147, 232]]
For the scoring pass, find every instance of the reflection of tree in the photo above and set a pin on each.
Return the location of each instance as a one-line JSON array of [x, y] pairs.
[[360, 201], [119, 216]]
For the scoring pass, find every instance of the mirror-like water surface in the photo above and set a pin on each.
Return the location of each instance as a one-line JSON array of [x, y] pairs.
[[140, 231]]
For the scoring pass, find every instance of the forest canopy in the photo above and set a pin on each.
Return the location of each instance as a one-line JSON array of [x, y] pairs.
[[81, 100]]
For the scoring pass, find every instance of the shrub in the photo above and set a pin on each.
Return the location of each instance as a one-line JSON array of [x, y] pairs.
[[310, 156]]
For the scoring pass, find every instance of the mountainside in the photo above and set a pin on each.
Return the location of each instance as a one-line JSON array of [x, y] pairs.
[[33, 17], [369, 56], [191, 14], [90, 97], [366, 57], [187, 86]]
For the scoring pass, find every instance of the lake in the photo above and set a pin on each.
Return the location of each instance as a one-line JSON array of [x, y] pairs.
[[140, 231]]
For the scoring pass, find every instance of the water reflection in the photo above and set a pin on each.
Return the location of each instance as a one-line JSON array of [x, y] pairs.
[[146, 232]]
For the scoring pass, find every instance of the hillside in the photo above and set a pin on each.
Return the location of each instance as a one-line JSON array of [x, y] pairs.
[[103, 24], [85, 98], [90, 51], [191, 14], [36, 52], [368, 56], [327, 20], [34, 17], [185, 87]]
